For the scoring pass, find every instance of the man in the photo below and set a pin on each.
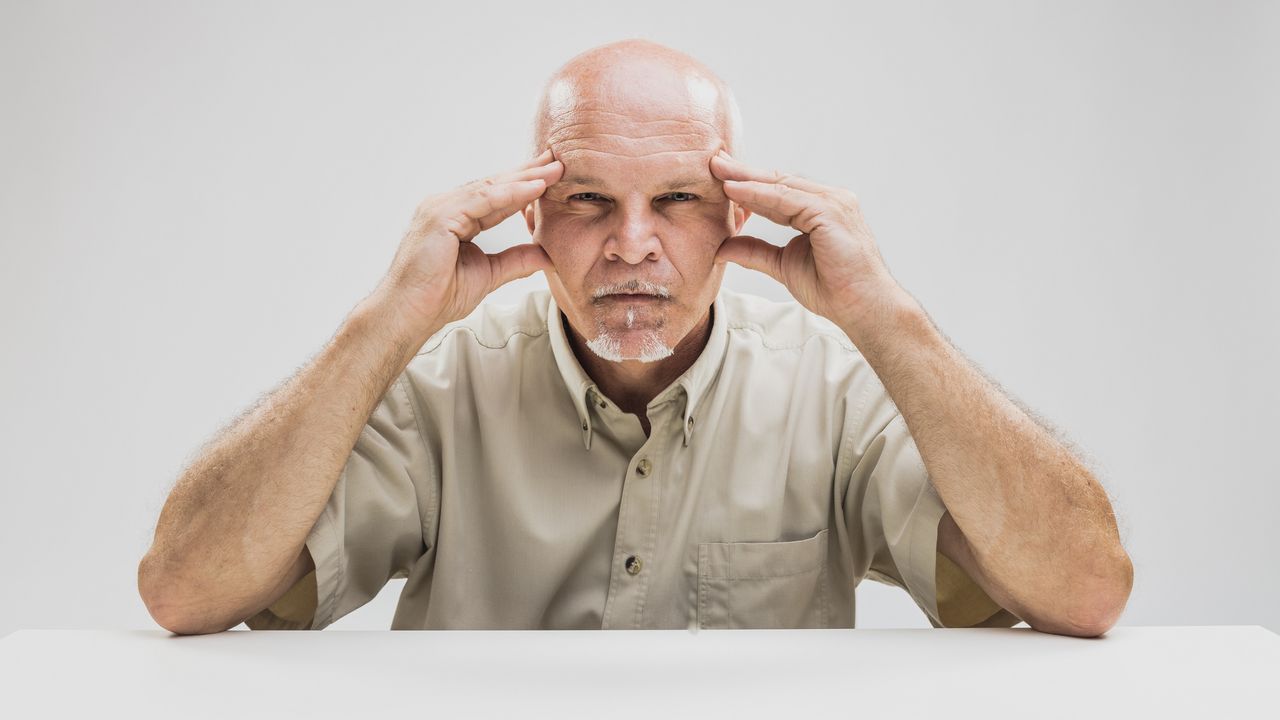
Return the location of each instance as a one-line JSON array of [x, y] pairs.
[[636, 447]]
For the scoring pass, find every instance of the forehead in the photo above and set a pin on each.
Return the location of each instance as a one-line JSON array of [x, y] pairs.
[[599, 146]]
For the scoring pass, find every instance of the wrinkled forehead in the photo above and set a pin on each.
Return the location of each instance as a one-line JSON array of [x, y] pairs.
[[609, 147], [618, 125], [603, 136]]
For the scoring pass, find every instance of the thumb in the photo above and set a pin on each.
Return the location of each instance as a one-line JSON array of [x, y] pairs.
[[516, 262], [752, 253]]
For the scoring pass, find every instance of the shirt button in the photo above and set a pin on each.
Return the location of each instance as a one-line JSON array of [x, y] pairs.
[[690, 422], [643, 467], [633, 565]]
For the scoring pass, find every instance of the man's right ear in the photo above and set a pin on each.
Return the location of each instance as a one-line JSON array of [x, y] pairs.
[[528, 218]]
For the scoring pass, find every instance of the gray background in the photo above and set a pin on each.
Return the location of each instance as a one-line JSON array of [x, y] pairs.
[[192, 196]]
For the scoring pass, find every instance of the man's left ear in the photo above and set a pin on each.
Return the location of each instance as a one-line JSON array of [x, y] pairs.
[[740, 215]]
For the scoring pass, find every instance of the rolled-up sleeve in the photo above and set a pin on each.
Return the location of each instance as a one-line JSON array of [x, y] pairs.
[[370, 531], [894, 508]]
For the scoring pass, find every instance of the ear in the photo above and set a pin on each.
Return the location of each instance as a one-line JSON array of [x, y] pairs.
[[740, 215], [528, 218]]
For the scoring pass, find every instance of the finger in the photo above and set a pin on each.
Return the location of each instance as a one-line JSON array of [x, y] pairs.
[[782, 204], [480, 207], [752, 253], [543, 158], [549, 172], [516, 262], [540, 166], [727, 168]]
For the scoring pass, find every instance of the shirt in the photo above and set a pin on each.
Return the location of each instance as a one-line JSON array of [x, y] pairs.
[[511, 493]]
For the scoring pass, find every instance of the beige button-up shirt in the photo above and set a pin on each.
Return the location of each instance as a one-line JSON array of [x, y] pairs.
[[512, 494]]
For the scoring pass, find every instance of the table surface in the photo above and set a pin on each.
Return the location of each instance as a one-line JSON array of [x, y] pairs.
[[1221, 671]]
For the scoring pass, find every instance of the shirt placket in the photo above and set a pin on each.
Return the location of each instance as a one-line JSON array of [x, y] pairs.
[[634, 544]]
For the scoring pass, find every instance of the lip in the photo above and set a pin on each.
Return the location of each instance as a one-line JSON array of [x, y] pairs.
[[630, 297]]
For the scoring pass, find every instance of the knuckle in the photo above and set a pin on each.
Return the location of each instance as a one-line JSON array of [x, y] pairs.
[[458, 226]]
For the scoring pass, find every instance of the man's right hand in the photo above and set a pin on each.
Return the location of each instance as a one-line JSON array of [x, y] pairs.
[[439, 275]]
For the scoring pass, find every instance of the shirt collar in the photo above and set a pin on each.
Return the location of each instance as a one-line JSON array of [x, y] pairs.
[[695, 382]]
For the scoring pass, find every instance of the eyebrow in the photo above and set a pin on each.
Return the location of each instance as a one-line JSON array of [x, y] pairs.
[[589, 181]]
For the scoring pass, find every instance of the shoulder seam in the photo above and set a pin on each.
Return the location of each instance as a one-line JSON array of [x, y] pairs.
[[517, 331], [764, 339]]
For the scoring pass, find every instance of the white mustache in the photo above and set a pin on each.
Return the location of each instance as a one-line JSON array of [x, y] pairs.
[[632, 287]]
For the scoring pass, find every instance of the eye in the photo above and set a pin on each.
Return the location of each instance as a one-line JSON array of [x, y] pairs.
[[586, 196], [682, 196]]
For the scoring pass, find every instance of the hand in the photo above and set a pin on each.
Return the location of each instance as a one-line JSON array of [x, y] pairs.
[[439, 275], [833, 266]]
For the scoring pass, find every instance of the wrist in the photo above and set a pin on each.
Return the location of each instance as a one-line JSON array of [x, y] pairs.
[[892, 311], [379, 314]]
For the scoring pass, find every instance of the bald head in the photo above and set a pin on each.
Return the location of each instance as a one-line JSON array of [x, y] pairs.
[[639, 80]]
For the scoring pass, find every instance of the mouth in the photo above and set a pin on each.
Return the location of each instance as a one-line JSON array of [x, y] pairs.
[[632, 291], [633, 297]]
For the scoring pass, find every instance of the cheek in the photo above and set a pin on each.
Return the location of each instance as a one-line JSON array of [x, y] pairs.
[[712, 220], [568, 242], [712, 227]]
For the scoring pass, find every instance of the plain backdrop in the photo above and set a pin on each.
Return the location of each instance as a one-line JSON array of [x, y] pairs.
[[1082, 195]]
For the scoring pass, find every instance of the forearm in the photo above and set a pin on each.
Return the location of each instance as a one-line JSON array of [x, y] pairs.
[[1036, 521], [238, 517]]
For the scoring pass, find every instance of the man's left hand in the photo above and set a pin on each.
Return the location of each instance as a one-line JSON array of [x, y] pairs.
[[833, 266]]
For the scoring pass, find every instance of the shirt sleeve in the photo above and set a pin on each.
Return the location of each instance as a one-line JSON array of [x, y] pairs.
[[894, 507], [370, 531]]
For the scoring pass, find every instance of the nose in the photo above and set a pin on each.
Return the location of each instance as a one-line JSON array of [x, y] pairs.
[[634, 238]]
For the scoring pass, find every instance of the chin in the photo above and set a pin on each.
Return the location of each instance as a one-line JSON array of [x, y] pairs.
[[630, 345]]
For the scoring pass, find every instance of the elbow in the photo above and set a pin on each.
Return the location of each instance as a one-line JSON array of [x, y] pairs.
[[1097, 601], [1094, 620], [165, 606]]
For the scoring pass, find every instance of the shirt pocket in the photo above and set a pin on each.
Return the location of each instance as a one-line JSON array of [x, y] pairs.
[[763, 584]]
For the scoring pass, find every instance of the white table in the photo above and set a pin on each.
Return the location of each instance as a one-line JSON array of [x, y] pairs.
[[1203, 672]]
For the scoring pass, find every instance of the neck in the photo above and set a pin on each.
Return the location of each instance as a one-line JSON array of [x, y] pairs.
[[633, 384]]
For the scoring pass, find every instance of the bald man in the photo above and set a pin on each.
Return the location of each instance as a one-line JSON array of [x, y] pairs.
[[636, 446]]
